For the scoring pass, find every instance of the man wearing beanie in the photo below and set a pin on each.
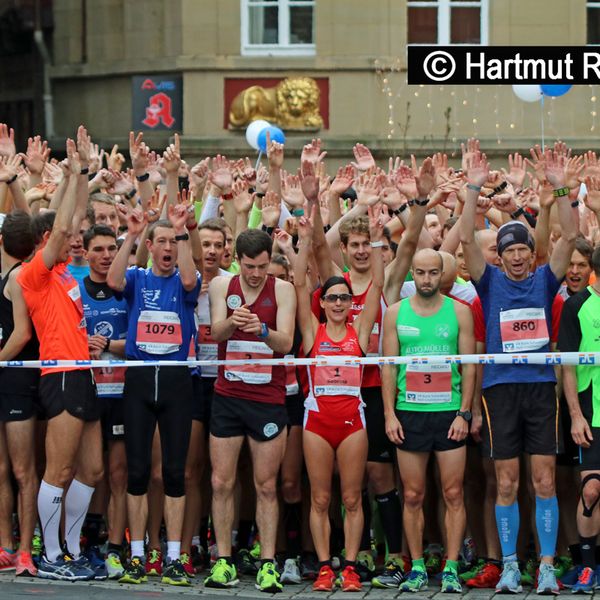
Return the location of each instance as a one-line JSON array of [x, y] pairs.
[[519, 401]]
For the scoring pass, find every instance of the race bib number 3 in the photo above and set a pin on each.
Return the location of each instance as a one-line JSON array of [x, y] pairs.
[[523, 329], [159, 332], [429, 384], [252, 374], [339, 380]]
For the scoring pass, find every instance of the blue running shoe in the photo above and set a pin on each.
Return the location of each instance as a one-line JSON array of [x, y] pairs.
[[547, 583], [586, 582], [96, 562], [569, 579], [65, 569], [510, 580]]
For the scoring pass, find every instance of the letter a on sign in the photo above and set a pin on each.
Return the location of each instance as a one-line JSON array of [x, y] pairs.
[[159, 109]]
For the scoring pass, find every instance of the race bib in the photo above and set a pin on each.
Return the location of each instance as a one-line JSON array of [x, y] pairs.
[[158, 332], [523, 329], [251, 374], [207, 350], [291, 381], [429, 384], [339, 380], [109, 380]]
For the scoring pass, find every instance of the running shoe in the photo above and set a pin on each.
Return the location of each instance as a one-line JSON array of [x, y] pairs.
[[114, 567], [547, 583], [510, 579], [154, 563], [174, 574], [415, 581], [24, 566], [450, 582], [7, 560], [291, 572], [188, 567], [365, 566], [570, 578], [222, 575], [36, 547], [392, 575], [586, 582], [246, 563], [473, 571], [488, 577], [255, 550], [349, 580], [325, 581], [65, 568], [309, 566], [267, 579], [94, 557], [134, 572]]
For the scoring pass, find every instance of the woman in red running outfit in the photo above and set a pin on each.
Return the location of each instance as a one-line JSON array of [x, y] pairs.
[[334, 426]]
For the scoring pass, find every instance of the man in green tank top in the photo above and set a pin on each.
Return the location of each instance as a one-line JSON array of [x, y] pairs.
[[427, 408]]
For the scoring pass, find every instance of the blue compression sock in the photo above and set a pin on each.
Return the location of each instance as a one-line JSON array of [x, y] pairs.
[[546, 522], [507, 522]]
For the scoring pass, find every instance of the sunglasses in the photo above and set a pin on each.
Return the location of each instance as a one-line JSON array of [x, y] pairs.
[[333, 298]]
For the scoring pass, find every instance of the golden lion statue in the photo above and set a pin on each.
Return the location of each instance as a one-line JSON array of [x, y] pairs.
[[292, 104]]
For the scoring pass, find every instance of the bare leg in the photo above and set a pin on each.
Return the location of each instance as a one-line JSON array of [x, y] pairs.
[[155, 497], [193, 475], [6, 494], [117, 507]]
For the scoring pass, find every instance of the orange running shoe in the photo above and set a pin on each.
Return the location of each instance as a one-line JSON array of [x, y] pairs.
[[24, 565], [488, 577], [350, 580], [325, 580], [7, 560]]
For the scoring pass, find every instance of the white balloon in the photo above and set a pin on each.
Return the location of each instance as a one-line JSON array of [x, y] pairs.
[[253, 130], [528, 93]]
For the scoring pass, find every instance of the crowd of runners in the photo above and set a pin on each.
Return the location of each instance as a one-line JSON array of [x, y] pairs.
[[340, 473]]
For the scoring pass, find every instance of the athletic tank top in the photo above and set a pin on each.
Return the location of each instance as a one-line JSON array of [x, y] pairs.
[[428, 388], [31, 350], [334, 388], [106, 317], [251, 382]]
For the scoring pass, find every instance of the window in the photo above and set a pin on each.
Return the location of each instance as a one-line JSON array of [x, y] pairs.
[[282, 27], [447, 22], [593, 22]]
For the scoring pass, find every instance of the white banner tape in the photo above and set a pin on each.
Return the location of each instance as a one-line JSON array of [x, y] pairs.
[[532, 358]]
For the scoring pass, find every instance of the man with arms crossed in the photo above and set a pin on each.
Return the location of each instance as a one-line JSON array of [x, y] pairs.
[[252, 317], [427, 408], [519, 401]]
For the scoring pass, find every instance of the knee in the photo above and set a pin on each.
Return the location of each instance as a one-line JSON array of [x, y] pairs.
[[453, 496], [320, 502], [290, 490], [174, 481], [266, 490], [544, 483], [381, 478], [222, 485], [413, 498], [352, 501], [118, 477], [62, 475], [590, 493], [24, 473], [192, 473], [507, 486]]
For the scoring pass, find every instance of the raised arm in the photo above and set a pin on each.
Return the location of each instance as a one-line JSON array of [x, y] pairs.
[[477, 174], [389, 375], [22, 330], [138, 151], [178, 215]]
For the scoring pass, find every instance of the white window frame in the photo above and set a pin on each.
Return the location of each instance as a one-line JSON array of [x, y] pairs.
[[443, 20], [590, 4], [284, 47]]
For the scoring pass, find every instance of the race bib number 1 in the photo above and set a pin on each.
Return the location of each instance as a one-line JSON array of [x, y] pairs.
[[523, 329], [429, 384], [252, 374], [337, 380], [159, 332]]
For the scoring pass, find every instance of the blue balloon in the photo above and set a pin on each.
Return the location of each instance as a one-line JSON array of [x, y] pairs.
[[274, 132], [555, 90]]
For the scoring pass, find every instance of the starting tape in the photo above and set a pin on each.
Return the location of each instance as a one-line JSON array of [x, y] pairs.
[[531, 358]]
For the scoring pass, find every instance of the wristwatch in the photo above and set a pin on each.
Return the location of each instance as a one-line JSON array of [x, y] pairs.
[[184, 237], [264, 331], [465, 414]]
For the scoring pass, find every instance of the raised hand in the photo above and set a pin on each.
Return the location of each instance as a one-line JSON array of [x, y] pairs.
[[424, 176], [537, 163], [221, 176], [249, 172], [84, 146], [309, 181], [554, 169], [52, 173], [262, 180], [440, 167], [242, 200], [96, 158], [271, 209], [9, 167], [121, 183], [291, 191], [592, 166], [505, 203], [312, 152], [343, 180], [178, 216], [376, 221], [37, 155], [405, 182], [7, 141], [516, 170], [136, 219], [592, 198], [155, 207], [364, 158], [478, 169], [73, 164], [172, 156], [138, 151], [274, 153], [573, 171], [156, 172], [115, 160], [368, 190], [469, 151], [306, 226]]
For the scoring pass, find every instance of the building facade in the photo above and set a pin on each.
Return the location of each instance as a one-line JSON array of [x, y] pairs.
[[355, 50]]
